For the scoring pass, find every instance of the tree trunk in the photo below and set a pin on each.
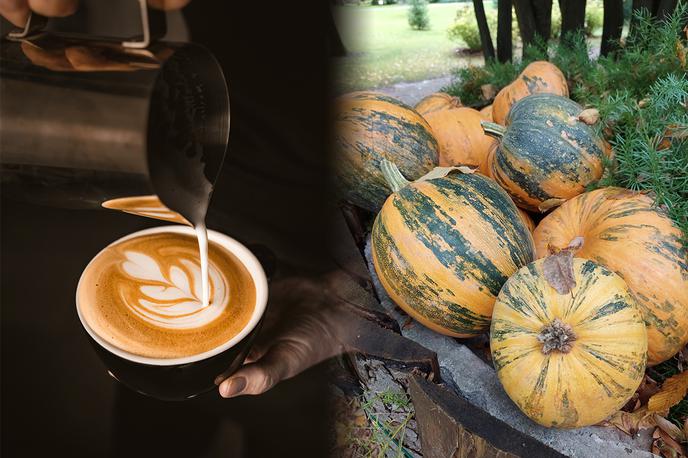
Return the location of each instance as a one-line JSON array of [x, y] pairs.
[[504, 44], [542, 10], [485, 38], [572, 17], [526, 21], [613, 25]]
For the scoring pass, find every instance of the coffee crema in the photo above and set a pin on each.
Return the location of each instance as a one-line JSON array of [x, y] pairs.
[[144, 296]]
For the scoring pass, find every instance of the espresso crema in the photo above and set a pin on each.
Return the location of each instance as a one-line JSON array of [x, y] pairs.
[[144, 295]]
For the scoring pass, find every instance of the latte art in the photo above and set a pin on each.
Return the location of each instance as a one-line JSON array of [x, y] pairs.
[[144, 295], [171, 296]]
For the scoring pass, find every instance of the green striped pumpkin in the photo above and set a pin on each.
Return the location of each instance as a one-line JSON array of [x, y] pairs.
[[546, 155], [370, 127], [573, 358], [443, 248]]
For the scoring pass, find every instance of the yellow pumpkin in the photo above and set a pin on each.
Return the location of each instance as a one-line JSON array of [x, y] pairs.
[[461, 138], [437, 101], [572, 359], [537, 77], [623, 231]]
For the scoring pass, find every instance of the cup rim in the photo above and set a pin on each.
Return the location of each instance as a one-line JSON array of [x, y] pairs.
[[244, 255]]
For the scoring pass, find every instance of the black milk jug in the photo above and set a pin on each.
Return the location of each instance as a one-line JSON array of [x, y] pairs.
[[84, 120]]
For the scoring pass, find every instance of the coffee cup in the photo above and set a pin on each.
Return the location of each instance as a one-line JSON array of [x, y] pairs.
[[181, 376]]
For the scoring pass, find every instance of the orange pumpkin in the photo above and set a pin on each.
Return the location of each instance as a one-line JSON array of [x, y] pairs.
[[538, 77], [437, 101], [487, 112], [525, 216], [624, 232], [460, 138]]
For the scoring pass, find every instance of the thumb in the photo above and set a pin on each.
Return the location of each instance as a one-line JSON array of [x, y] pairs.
[[283, 360]]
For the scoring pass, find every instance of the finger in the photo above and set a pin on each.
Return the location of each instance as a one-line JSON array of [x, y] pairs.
[[54, 8], [15, 11], [52, 60], [86, 59], [168, 4], [284, 360]]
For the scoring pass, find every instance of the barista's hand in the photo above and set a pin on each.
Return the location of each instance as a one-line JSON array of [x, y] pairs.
[[300, 330], [17, 11]]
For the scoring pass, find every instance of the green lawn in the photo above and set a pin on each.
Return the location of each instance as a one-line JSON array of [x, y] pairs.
[[383, 49]]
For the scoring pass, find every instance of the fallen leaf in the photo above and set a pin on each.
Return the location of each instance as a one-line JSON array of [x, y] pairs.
[[673, 390], [558, 270], [681, 53], [489, 91], [589, 116], [671, 429], [441, 172], [631, 422], [549, 204], [664, 445]]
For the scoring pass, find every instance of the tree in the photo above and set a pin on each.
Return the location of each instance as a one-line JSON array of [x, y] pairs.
[[418, 17]]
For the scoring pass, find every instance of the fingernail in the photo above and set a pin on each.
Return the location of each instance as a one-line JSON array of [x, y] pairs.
[[232, 387]]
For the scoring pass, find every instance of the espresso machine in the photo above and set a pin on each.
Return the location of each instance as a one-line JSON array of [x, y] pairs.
[[85, 118]]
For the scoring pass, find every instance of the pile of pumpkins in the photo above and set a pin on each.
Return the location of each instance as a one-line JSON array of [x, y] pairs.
[[575, 307]]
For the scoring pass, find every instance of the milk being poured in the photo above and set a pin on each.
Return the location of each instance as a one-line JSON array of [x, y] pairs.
[[202, 236]]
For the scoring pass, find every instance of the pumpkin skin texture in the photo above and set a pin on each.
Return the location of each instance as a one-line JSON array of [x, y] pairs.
[[437, 101], [606, 361], [625, 233], [546, 155], [461, 138], [537, 78], [369, 127], [443, 248], [486, 112]]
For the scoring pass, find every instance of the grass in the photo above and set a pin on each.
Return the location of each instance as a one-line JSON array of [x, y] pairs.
[[383, 50]]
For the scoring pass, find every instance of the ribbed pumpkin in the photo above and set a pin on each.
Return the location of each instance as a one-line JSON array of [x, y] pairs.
[[437, 101], [443, 248], [369, 127], [568, 360], [486, 112], [546, 155], [461, 138], [538, 77], [623, 231]]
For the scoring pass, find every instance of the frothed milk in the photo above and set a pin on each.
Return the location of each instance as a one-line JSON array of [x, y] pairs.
[[145, 295]]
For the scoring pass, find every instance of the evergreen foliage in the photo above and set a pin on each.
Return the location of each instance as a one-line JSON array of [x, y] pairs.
[[418, 16]]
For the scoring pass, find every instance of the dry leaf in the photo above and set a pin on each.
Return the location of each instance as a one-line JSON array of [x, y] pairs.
[[631, 422], [643, 103], [441, 172], [664, 445], [589, 116], [489, 91], [681, 53], [673, 390], [558, 267], [549, 204], [671, 429], [647, 388]]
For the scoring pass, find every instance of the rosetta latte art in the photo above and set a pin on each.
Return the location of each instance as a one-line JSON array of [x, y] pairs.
[[170, 296]]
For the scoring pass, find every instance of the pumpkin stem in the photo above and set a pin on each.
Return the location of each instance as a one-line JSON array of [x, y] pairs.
[[392, 175], [493, 129], [556, 336]]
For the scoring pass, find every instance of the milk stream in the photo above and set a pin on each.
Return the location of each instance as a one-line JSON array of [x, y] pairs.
[[202, 236]]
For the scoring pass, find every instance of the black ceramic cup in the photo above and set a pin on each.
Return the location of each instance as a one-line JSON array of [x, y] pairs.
[[177, 379]]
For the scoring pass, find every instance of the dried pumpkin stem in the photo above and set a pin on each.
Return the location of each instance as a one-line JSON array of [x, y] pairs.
[[392, 175], [493, 129], [556, 336]]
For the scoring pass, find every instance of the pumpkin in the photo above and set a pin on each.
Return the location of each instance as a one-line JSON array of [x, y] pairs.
[[369, 127], [537, 78], [437, 101], [568, 360], [461, 138], [486, 112], [527, 219], [442, 248], [546, 154], [623, 231]]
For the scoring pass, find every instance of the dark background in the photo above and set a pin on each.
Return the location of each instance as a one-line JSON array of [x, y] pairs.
[[57, 398]]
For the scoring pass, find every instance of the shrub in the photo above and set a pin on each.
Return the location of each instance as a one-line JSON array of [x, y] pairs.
[[418, 17], [594, 16]]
